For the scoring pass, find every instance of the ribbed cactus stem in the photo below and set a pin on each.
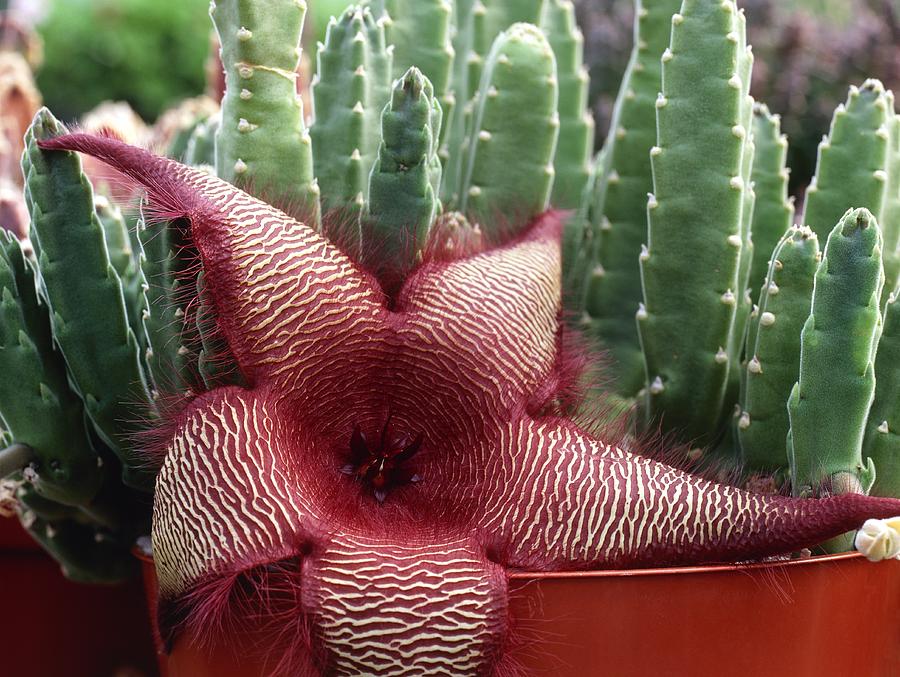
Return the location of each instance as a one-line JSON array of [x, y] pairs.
[[572, 162], [125, 262], [829, 405], [509, 170], [29, 499], [772, 363], [262, 144], [118, 243], [479, 23], [489, 19], [405, 180], [882, 440], [890, 214], [453, 141], [36, 404], [86, 553], [851, 167], [85, 296], [605, 288], [691, 265], [420, 32], [163, 253], [773, 211], [176, 125], [351, 88], [201, 147], [737, 335]]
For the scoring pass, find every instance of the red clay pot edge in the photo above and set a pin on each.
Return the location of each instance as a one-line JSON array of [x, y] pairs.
[[789, 610], [697, 569]]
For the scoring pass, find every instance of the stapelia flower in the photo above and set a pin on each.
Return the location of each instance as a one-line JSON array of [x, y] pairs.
[[393, 456]]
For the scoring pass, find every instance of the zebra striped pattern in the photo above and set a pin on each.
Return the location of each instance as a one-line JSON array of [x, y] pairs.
[[564, 500], [407, 608], [292, 306], [225, 494]]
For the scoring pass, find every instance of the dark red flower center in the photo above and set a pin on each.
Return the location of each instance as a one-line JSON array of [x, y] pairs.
[[384, 464]]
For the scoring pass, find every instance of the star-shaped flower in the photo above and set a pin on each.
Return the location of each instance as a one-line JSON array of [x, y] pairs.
[[395, 455]]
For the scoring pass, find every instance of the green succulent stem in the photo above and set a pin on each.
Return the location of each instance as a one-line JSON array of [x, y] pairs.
[[406, 177], [509, 171], [85, 296], [87, 554], [773, 211], [14, 459], [890, 214], [572, 162], [691, 265], [737, 335], [420, 32], [201, 148], [603, 274], [852, 162], [829, 405], [882, 437], [37, 405], [262, 144], [478, 24], [352, 87], [772, 365]]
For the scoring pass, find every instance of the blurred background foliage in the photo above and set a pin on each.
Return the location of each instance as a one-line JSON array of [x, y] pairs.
[[806, 52], [152, 53]]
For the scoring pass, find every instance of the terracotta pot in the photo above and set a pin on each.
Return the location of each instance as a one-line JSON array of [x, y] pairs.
[[830, 616], [52, 626], [14, 538]]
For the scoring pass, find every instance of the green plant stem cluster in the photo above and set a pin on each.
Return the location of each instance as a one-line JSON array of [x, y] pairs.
[[729, 329]]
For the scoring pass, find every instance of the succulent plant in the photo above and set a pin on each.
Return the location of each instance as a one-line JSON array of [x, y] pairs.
[[688, 376], [348, 350], [363, 469]]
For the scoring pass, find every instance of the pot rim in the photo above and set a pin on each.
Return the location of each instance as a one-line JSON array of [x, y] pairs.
[[695, 569], [146, 558]]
